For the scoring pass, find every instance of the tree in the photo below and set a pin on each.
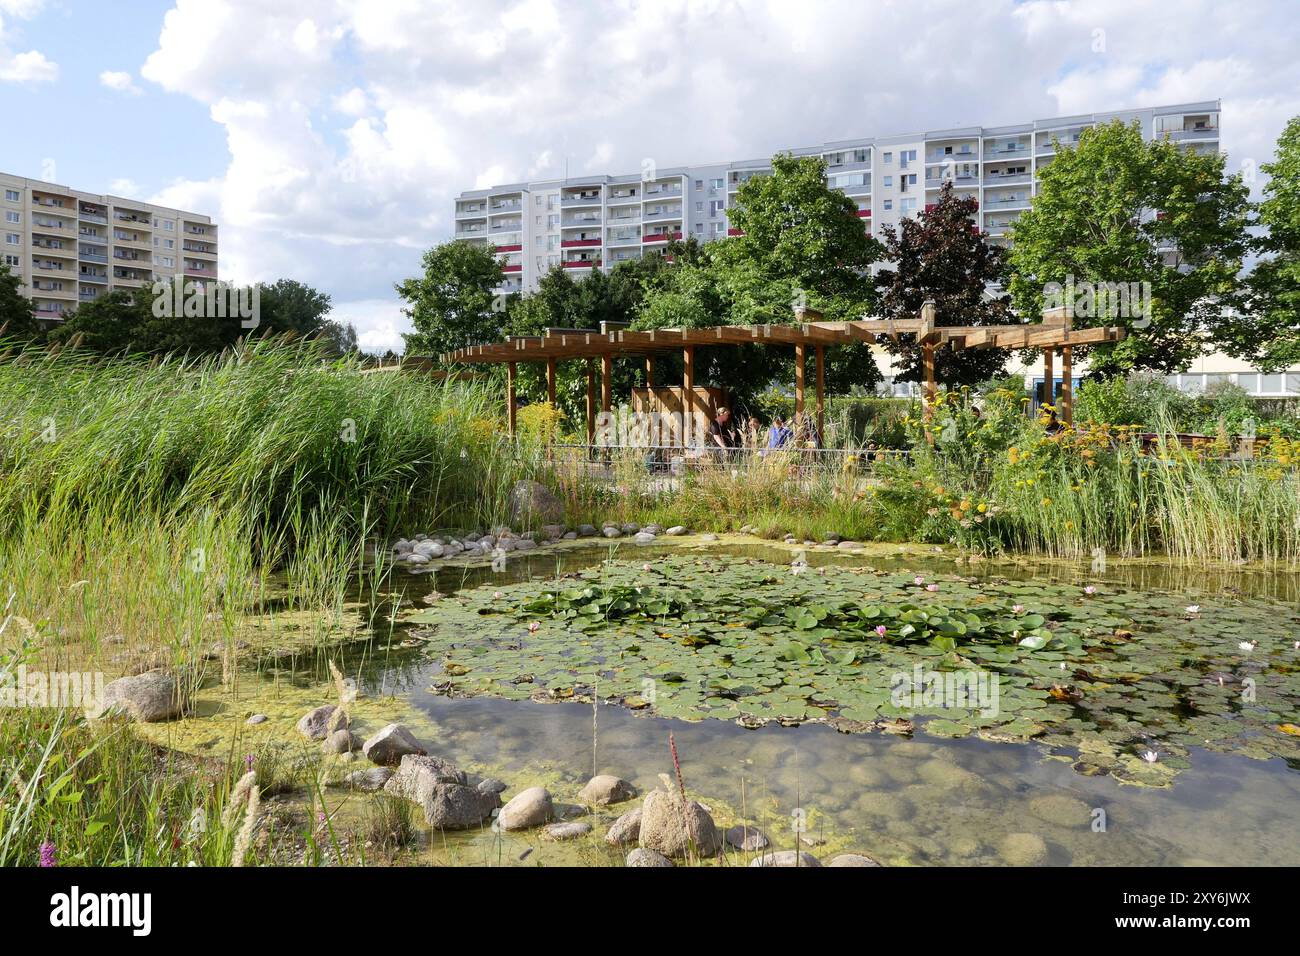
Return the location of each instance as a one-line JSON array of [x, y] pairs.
[[291, 306], [942, 257], [17, 314], [123, 321], [454, 303], [1117, 210], [1265, 330], [800, 243]]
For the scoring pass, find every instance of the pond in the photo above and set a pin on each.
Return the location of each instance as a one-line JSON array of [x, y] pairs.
[[1135, 714]]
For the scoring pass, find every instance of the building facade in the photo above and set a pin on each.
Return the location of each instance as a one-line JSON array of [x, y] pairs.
[[596, 222], [69, 247]]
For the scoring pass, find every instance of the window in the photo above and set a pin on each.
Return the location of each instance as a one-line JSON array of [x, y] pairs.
[[539, 200], [889, 180], [699, 227], [907, 205], [889, 158], [12, 195], [169, 225], [11, 260], [911, 179], [13, 238], [552, 221], [715, 207], [169, 243], [717, 228], [717, 184], [699, 206], [1270, 384], [889, 204], [13, 217], [699, 184]]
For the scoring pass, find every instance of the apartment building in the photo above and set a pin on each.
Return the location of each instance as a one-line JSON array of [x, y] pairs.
[[596, 222], [70, 247]]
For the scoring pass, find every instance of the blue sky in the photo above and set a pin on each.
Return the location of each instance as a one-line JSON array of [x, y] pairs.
[[329, 137]]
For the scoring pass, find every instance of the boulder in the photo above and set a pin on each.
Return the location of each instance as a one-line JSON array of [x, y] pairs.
[[321, 722], [674, 828], [342, 741], [391, 745], [644, 537], [676, 530], [630, 527], [567, 831], [148, 698], [256, 719], [847, 545], [553, 530], [852, 859], [528, 808], [368, 781], [439, 788], [525, 544], [588, 530], [625, 830], [611, 532], [653, 528], [604, 789], [491, 785], [531, 502], [747, 838], [709, 537], [643, 857], [786, 858]]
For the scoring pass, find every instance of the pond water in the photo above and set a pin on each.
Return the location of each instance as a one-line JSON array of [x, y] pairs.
[[1077, 794]]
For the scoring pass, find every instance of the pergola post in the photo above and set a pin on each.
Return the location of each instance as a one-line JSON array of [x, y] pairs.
[[606, 382], [688, 394], [649, 371], [550, 381], [821, 392], [799, 374], [511, 406], [591, 402], [1067, 386], [1049, 374]]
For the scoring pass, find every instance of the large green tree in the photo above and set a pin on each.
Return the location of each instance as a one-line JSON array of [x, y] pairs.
[[453, 304], [123, 321], [940, 257], [1265, 329], [1116, 210], [17, 315]]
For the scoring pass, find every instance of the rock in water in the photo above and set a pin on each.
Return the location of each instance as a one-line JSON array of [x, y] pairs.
[[368, 781], [528, 808], [747, 838], [439, 788], [675, 829], [676, 530], [604, 789], [625, 830], [567, 831], [612, 532], [1023, 849], [852, 859], [786, 858], [643, 857], [491, 785], [388, 747], [320, 723], [147, 698], [644, 537], [531, 503], [341, 741]]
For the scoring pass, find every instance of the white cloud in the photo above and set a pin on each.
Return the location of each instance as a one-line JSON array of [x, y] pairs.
[[351, 126], [379, 323], [119, 81], [126, 188], [32, 66]]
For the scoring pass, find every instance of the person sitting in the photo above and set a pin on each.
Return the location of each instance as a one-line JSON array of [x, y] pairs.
[[722, 434]]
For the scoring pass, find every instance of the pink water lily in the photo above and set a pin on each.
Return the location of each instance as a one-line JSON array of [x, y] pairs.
[[881, 629], [1017, 609], [918, 580], [533, 627], [1090, 590], [932, 587]]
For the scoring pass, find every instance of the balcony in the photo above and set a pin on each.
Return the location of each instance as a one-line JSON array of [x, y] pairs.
[[580, 263], [864, 213], [660, 236], [848, 167], [661, 215], [48, 310], [471, 231], [144, 222], [477, 211], [93, 277], [584, 221], [740, 232], [499, 207], [89, 256], [1005, 151], [1201, 133], [91, 215], [46, 225], [999, 178], [513, 247], [580, 199], [623, 197], [517, 267], [629, 217], [1007, 203], [578, 243], [49, 265], [511, 225], [966, 154], [661, 192], [200, 269], [630, 240]]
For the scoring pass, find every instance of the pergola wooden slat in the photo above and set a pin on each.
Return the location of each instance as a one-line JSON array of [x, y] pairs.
[[1055, 332]]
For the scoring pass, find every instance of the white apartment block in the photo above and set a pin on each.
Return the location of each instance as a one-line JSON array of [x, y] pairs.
[[596, 222], [69, 247]]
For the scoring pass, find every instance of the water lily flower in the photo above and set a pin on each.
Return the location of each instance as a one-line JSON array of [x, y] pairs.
[[1150, 756], [881, 629], [645, 567], [533, 627], [1297, 645], [1017, 609], [1193, 609], [1248, 645], [496, 595], [932, 587], [1090, 590], [918, 580]]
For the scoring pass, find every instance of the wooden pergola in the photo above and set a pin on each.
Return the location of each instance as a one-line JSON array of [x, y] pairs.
[[810, 333]]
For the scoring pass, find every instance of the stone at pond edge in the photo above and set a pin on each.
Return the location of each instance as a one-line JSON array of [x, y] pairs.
[[604, 789], [392, 744], [439, 788], [626, 829], [532, 502], [786, 858], [674, 829], [567, 831], [612, 533], [1023, 849], [147, 698], [643, 857], [528, 808], [368, 781], [747, 838], [341, 741], [319, 723], [675, 530], [491, 785], [256, 719], [852, 859]]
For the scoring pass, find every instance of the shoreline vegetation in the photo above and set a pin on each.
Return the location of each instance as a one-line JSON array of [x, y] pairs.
[[153, 512]]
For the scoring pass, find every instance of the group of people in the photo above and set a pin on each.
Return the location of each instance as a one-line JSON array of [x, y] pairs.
[[725, 434]]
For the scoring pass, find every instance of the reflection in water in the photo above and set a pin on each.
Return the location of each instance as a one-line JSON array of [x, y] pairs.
[[922, 801]]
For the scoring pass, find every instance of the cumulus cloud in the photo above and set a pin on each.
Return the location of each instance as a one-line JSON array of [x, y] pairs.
[[31, 67], [351, 126], [119, 81]]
